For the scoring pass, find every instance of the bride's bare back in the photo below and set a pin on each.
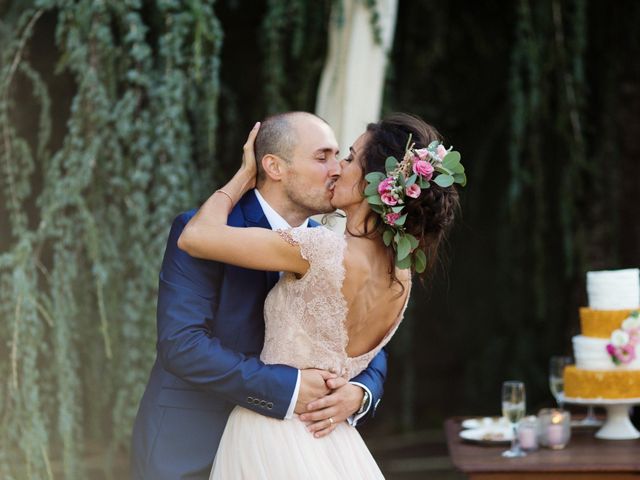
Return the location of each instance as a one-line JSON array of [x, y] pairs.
[[374, 302], [330, 319]]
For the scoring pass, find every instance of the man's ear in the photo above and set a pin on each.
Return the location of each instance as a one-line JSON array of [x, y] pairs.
[[273, 166]]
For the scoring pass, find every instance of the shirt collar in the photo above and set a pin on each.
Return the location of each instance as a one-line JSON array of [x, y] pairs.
[[274, 218]]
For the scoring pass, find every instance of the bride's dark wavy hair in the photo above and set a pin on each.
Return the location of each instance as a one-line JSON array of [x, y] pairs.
[[431, 215]]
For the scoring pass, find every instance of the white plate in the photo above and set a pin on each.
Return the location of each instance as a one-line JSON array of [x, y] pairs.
[[489, 436], [485, 422]]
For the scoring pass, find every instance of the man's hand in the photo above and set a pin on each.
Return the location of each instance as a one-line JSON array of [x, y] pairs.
[[344, 400], [313, 386]]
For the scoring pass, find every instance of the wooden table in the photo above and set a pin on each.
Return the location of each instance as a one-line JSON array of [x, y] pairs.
[[585, 458]]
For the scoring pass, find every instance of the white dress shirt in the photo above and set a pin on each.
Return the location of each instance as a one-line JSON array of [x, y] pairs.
[[277, 222]]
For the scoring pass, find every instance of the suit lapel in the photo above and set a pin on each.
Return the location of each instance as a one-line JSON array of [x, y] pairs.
[[253, 214], [255, 217]]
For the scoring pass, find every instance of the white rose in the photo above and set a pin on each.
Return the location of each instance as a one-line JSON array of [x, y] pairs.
[[619, 338], [631, 323]]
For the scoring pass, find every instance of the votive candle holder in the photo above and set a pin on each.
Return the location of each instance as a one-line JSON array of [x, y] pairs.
[[528, 433], [554, 428]]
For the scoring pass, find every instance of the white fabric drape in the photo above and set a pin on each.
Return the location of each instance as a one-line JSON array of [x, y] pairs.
[[352, 82]]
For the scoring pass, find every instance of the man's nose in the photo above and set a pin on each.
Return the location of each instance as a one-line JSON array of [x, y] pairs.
[[335, 167]]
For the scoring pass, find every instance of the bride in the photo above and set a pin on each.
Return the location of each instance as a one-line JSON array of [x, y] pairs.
[[342, 297]]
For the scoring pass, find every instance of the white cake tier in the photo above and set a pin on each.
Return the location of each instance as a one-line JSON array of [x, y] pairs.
[[591, 354], [614, 289]]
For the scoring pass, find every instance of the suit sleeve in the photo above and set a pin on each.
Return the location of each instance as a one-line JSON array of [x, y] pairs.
[[187, 299], [373, 378]]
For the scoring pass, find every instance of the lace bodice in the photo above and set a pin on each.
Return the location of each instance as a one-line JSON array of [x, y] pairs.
[[305, 318]]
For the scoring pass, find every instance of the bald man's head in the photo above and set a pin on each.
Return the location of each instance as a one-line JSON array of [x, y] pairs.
[[277, 136]]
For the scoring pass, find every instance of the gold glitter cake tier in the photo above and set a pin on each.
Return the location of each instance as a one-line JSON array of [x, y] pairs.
[[600, 323], [603, 384]]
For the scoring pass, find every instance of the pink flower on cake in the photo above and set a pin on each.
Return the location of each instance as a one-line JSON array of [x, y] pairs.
[[619, 338], [385, 185], [388, 199], [413, 191], [391, 218], [424, 169], [628, 353], [622, 345]]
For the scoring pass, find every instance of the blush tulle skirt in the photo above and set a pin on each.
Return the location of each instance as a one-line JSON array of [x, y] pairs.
[[257, 447]]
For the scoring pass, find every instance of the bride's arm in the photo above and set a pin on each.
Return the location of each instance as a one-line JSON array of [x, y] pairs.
[[208, 236]]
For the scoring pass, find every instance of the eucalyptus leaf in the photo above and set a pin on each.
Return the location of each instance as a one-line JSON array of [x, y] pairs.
[[413, 241], [433, 144], [401, 220], [371, 189], [458, 168], [374, 200], [444, 180], [404, 247], [404, 263], [420, 261], [387, 237], [411, 180], [460, 178], [390, 164], [374, 177], [442, 169], [450, 159], [397, 208]]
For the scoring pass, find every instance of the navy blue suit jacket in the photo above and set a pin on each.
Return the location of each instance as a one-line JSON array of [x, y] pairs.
[[210, 334]]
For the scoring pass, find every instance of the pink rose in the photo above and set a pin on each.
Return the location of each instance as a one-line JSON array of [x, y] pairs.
[[422, 153], [388, 199], [628, 354], [611, 350], [424, 169], [385, 185], [391, 218], [413, 191], [441, 151]]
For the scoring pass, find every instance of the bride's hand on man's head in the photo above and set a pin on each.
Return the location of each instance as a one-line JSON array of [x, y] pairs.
[[249, 166]]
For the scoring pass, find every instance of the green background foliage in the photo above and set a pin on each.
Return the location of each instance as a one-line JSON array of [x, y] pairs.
[[116, 116]]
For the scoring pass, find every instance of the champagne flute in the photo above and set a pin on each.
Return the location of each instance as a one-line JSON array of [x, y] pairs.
[[513, 408], [590, 420], [556, 377]]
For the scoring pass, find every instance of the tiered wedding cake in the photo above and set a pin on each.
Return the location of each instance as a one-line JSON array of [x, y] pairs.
[[608, 351]]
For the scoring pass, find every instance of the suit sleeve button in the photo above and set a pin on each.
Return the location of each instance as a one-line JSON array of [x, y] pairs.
[[263, 403], [270, 405], [249, 399]]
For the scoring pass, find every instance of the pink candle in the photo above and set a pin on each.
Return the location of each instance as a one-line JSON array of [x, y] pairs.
[[527, 437], [554, 434]]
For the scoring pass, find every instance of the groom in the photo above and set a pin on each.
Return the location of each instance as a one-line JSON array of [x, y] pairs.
[[210, 323]]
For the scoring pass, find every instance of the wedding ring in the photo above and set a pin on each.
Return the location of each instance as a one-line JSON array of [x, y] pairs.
[[331, 420]]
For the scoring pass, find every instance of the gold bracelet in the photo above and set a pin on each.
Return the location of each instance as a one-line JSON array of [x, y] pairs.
[[225, 193]]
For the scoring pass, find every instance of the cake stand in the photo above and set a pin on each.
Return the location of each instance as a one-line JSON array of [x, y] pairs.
[[617, 426]]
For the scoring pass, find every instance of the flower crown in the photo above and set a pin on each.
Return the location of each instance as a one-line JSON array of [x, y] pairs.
[[386, 194]]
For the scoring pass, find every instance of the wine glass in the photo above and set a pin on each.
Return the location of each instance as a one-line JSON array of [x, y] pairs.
[[513, 408], [590, 420], [556, 377]]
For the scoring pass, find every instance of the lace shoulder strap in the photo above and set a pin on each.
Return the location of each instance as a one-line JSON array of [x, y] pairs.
[[321, 247]]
